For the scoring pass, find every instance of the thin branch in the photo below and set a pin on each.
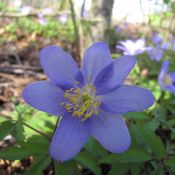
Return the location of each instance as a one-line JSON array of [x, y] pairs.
[[20, 69], [83, 7], [76, 31], [53, 161], [73, 18], [17, 66]]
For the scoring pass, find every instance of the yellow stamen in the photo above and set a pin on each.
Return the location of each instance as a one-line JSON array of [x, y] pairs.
[[167, 80], [82, 102]]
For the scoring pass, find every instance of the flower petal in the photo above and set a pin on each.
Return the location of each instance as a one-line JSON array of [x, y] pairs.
[[44, 96], [95, 59], [164, 69], [59, 66], [114, 74], [70, 136], [111, 131], [170, 88], [172, 74], [127, 99]]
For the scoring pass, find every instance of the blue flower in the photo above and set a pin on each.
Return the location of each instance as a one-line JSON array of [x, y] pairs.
[[155, 53], [63, 18], [167, 79], [90, 100], [165, 46], [133, 47], [41, 19], [118, 29], [85, 14], [156, 38], [25, 10]]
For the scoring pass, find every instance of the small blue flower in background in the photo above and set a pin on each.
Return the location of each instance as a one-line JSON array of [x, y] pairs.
[[167, 79], [25, 10], [155, 53], [130, 47], [41, 16], [173, 44], [126, 24], [165, 46], [118, 29], [63, 18], [48, 11], [90, 100], [156, 39], [41, 19], [85, 14]]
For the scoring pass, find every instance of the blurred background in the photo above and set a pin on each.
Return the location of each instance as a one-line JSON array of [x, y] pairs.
[[143, 28]]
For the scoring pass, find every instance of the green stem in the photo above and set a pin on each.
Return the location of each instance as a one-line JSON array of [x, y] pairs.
[[20, 113], [38, 131], [53, 161], [25, 124]]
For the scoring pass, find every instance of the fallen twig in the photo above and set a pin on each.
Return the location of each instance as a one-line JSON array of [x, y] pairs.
[[20, 69]]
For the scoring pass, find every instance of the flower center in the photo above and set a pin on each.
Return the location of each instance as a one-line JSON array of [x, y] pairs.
[[82, 102], [167, 80]]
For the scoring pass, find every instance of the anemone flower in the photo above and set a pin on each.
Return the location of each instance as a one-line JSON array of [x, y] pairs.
[[165, 46], [41, 19], [167, 79], [131, 47], [118, 29], [48, 11], [156, 39], [63, 18], [85, 14], [90, 100], [155, 53], [25, 10]]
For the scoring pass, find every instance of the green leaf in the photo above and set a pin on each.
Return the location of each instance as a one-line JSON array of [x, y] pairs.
[[132, 155], [39, 164], [158, 171], [154, 143], [69, 167], [160, 111], [167, 1], [136, 115], [59, 169], [143, 136], [171, 122], [17, 153], [36, 143], [39, 120], [170, 163], [18, 132], [136, 135], [88, 161], [3, 118], [153, 124], [94, 148], [119, 169], [135, 168], [5, 128]]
